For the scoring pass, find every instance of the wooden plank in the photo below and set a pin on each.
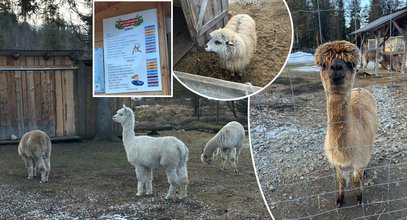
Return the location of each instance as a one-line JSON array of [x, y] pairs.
[[188, 18], [19, 103], [211, 23], [26, 116], [69, 103], [201, 15], [225, 7], [3, 103], [51, 104], [162, 35], [53, 139], [32, 120], [12, 107], [59, 101]]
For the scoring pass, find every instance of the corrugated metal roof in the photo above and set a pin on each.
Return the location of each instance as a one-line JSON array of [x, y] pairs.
[[381, 21]]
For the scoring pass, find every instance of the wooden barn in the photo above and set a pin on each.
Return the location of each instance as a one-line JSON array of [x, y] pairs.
[[383, 29], [104, 10]]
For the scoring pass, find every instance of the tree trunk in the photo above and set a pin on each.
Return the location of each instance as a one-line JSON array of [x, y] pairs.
[[103, 121], [195, 105], [217, 112], [231, 106]]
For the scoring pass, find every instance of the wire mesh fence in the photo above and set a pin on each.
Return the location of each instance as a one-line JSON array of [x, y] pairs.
[[288, 128]]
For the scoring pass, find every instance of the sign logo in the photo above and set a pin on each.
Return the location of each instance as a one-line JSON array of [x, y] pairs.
[[136, 81], [121, 24]]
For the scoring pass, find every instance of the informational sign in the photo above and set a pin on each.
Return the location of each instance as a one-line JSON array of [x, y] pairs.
[[131, 53], [99, 76]]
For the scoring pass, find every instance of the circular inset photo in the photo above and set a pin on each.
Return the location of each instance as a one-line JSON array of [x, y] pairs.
[[230, 49]]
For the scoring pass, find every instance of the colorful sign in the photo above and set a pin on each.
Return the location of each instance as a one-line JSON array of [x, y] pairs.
[[131, 53]]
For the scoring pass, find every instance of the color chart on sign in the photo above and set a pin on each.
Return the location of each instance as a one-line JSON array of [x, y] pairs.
[[152, 72], [150, 37], [131, 53]]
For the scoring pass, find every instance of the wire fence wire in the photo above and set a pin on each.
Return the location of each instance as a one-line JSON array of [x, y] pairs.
[[289, 122]]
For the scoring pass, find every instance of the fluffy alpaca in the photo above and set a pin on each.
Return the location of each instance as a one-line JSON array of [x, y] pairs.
[[35, 149], [352, 115], [229, 141], [146, 153], [235, 43]]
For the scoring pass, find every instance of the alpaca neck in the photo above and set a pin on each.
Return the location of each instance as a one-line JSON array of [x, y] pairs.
[[210, 147], [339, 116], [128, 133]]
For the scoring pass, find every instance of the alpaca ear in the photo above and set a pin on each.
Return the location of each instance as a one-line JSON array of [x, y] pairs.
[[124, 106]]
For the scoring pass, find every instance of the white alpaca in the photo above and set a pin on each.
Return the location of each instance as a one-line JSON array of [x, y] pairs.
[[229, 142], [235, 43], [35, 149], [146, 153]]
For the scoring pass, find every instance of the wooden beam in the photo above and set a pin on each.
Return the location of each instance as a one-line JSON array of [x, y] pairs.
[[209, 24], [376, 67], [201, 15]]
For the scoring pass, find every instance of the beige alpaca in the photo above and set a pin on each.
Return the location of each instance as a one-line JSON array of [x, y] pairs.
[[352, 115], [35, 149]]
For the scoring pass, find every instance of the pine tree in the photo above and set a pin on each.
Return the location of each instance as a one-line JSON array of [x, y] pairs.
[[340, 20], [354, 12]]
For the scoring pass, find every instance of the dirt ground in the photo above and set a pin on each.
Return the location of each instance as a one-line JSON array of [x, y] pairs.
[[288, 126], [273, 28], [93, 180]]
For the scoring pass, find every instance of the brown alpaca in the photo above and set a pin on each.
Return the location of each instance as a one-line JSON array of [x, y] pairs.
[[352, 115], [35, 149]]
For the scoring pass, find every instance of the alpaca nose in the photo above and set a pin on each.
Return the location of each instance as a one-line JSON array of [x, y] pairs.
[[337, 74]]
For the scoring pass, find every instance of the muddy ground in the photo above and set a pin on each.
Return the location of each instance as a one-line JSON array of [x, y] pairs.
[[273, 28], [288, 122], [93, 180]]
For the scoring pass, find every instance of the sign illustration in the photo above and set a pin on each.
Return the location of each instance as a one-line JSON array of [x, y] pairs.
[[131, 53]]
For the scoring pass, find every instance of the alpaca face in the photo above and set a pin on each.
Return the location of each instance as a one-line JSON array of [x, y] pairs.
[[219, 43], [206, 159], [122, 115], [338, 76]]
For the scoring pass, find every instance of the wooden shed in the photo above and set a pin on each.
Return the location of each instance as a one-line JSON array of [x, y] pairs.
[[194, 20], [37, 91], [103, 10], [383, 28]]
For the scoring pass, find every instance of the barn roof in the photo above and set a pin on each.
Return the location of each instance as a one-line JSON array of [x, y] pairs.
[[383, 21]]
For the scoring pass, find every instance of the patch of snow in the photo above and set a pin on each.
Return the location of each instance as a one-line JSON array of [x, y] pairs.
[[301, 57], [307, 69]]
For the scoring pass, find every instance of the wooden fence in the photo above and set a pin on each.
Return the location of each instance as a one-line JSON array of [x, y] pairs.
[[203, 16]]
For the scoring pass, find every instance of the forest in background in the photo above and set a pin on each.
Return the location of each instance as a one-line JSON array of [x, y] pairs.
[[45, 25], [337, 18]]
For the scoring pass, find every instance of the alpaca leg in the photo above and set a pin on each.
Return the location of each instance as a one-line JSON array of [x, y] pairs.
[[140, 173], [47, 168], [342, 185], [183, 178], [232, 158], [224, 154], [238, 151], [357, 180], [149, 181], [39, 162], [29, 164], [172, 180]]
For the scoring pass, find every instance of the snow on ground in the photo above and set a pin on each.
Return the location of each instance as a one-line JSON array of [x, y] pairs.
[[307, 69], [301, 58]]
